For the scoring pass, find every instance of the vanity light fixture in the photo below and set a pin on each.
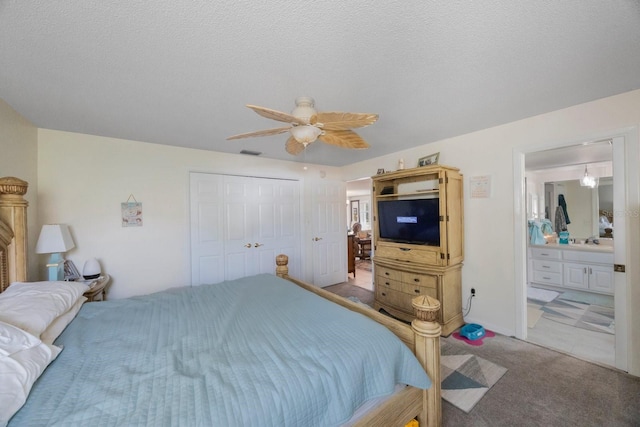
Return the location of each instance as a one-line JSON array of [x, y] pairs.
[[588, 180]]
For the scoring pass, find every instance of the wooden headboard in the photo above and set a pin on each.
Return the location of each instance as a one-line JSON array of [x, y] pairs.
[[13, 231]]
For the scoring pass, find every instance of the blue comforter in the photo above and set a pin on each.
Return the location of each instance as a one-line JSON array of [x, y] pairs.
[[256, 351]]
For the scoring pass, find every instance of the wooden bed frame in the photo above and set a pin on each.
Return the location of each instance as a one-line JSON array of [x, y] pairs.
[[422, 337]]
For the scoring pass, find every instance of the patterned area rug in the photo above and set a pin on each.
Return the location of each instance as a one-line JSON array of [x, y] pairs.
[[584, 316], [466, 378], [593, 312]]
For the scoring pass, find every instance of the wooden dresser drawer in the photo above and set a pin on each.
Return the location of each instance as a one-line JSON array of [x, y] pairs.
[[388, 273], [387, 283], [415, 291], [419, 279], [399, 300], [413, 253], [549, 266]]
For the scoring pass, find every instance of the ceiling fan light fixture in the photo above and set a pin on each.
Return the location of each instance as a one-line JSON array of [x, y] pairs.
[[305, 134], [304, 108]]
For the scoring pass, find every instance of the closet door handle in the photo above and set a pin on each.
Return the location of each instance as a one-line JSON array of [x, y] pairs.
[[248, 245], [257, 245]]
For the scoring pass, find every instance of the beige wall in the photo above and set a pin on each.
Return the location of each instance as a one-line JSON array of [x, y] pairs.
[[18, 157], [83, 179]]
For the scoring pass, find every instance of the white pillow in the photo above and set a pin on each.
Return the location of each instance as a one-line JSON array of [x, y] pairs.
[[57, 326], [24, 358], [32, 306]]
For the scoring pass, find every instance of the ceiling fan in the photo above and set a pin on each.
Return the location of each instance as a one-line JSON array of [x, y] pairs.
[[306, 125]]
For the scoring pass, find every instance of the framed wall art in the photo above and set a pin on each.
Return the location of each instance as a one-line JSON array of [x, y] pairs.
[[431, 159]]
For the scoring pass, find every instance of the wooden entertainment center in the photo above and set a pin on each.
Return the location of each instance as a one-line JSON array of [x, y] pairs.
[[406, 270]]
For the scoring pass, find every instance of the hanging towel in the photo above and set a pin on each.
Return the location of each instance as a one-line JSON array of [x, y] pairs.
[[546, 227], [535, 233], [561, 222], [563, 204]]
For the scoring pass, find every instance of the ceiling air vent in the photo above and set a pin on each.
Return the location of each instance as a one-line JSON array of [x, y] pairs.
[[251, 153]]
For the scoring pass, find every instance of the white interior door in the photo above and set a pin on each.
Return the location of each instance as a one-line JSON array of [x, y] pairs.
[[207, 242], [330, 234]]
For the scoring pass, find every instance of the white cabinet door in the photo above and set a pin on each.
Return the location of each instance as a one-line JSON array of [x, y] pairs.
[[601, 278], [576, 276]]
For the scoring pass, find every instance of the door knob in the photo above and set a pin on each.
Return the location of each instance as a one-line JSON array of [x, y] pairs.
[[317, 238], [257, 245]]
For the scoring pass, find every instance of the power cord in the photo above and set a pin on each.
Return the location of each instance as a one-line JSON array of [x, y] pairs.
[[467, 309]]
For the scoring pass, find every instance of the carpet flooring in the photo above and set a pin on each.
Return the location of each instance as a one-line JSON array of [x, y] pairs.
[[542, 387]]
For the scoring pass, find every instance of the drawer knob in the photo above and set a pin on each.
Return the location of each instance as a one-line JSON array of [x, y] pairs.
[[417, 280], [386, 273], [417, 291], [387, 283], [384, 295]]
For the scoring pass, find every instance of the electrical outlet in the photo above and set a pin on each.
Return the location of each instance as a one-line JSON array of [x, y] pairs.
[[473, 292]]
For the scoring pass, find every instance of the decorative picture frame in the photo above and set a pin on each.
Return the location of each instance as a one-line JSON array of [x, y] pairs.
[[380, 171], [431, 159], [355, 211]]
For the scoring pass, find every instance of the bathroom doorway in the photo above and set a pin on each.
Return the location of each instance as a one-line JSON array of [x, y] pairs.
[[624, 147]]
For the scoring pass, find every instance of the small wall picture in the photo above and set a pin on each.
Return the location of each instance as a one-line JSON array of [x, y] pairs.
[[131, 214], [431, 159], [380, 171]]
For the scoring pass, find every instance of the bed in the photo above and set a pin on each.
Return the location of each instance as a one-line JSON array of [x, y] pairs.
[[265, 350]]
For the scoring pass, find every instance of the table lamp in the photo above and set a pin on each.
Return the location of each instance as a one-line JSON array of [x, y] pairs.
[[55, 239]]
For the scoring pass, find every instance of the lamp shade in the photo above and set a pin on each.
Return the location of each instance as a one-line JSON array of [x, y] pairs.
[[54, 238]]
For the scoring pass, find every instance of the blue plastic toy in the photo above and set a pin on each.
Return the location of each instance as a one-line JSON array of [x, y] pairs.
[[472, 331]]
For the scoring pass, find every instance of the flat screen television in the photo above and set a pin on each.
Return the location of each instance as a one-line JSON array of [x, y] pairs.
[[415, 221]]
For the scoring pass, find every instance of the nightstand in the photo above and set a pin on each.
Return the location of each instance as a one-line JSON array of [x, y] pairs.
[[97, 288]]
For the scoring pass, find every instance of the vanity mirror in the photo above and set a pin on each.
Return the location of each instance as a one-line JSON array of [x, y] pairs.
[[590, 210]]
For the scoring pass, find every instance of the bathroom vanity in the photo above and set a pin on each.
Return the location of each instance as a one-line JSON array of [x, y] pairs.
[[574, 266]]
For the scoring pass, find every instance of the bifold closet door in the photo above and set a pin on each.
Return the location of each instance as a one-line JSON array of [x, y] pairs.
[[254, 219]]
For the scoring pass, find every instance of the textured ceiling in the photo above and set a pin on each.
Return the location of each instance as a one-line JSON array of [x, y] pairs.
[[179, 72]]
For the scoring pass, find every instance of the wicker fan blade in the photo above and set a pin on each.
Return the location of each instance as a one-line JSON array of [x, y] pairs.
[[343, 121], [276, 115], [294, 147], [265, 132], [344, 139]]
